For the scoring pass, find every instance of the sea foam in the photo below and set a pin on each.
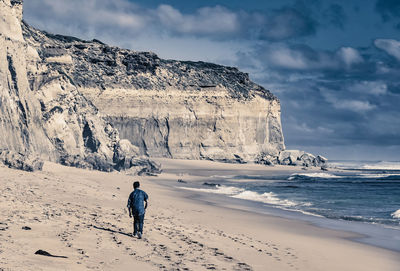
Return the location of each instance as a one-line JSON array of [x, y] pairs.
[[320, 175], [220, 189], [269, 198], [377, 176], [240, 193], [396, 214], [383, 165]]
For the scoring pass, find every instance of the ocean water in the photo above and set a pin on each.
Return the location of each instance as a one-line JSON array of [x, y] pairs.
[[367, 192]]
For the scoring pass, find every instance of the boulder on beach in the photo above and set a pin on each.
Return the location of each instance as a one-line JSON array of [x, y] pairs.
[[20, 161]]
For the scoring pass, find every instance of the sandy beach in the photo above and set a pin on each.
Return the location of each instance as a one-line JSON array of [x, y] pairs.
[[82, 215]]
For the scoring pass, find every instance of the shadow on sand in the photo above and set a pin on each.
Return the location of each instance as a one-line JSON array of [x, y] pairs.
[[110, 230]]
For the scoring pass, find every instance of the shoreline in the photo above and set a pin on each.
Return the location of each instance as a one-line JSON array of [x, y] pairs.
[[376, 235], [82, 215]]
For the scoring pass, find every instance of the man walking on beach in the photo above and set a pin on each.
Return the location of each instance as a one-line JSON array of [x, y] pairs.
[[137, 208]]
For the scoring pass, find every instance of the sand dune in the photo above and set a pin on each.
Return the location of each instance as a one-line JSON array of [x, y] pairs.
[[81, 215]]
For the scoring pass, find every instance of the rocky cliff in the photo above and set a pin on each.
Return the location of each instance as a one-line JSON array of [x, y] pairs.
[[20, 122], [70, 100], [42, 112], [167, 108]]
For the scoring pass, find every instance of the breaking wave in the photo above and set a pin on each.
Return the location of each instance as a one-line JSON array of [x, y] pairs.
[[383, 166], [387, 176], [319, 175], [396, 214], [220, 189], [323, 175], [269, 198], [240, 193]]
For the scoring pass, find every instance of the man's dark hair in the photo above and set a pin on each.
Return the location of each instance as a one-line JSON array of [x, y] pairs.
[[136, 185]]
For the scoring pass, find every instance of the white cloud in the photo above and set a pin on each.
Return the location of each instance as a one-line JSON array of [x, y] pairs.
[[87, 19], [337, 102], [287, 58], [390, 46], [123, 18], [370, 87], [354, 105], [305, 128], [206, 20], [349, 56], [300, 58]]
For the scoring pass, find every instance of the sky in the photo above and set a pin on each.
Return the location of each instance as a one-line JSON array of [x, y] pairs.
[[334, 64]]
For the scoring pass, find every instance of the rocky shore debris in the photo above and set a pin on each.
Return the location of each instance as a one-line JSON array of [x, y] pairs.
[[26, 228], [3, 226], [293, 158], [20, 161], [45, 253]]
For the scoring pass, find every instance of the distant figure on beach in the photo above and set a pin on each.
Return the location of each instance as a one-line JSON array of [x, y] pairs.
[[137, 208]]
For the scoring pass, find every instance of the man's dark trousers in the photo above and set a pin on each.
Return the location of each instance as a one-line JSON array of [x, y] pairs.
[[138, 223]]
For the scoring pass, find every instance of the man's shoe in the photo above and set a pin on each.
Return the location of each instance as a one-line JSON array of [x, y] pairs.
[[139, 235], [134, 234]]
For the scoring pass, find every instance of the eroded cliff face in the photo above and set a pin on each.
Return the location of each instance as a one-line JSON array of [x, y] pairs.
[[42, 112], [20, 119], [166, 108], [207, 124]]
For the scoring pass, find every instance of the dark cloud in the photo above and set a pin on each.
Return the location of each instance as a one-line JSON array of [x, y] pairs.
[[388, 9], [287, 23], [335, 14], [343, 97], [124, 19], [394, 88]]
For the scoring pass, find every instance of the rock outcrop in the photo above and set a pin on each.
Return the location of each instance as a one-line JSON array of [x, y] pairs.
[[167, 108], [292, 158], [20, 161], [43, 113]]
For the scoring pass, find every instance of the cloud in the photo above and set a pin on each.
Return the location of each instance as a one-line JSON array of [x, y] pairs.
[[354, 105], [331, 97], [298, 57], [369, 87], [287, 23], [302, 57], [287, 58], [349, 56], [391, 47], [87, 19], [335, 14], [276, 25], [122, 18], [340, 101], [388, 9], [205, 21]]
